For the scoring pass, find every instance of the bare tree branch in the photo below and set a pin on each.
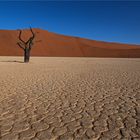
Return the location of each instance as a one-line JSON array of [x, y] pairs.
[[26, 45], [33, 34], [19, 44], [30, 44], [20, 31], [31, 38]]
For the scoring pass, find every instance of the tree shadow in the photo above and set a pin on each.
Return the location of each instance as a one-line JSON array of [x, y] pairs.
[[14, 61]]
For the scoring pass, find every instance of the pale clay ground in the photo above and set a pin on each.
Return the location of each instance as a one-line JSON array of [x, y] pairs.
[[69, 99]]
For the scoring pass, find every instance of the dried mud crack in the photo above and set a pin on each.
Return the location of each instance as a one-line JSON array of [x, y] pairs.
[[69, 99]]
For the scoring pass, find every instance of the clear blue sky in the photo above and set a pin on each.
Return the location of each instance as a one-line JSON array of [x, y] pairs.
[[104, 20]]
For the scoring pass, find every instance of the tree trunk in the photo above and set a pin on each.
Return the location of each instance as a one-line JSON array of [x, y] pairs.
[[26, 55]]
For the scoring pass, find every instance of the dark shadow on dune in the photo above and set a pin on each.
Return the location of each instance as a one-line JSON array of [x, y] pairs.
[[14, 61]]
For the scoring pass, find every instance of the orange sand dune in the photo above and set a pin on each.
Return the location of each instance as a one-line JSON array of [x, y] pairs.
[[51, 44]]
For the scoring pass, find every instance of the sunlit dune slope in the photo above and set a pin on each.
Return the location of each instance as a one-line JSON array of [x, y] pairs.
[[51, 44]]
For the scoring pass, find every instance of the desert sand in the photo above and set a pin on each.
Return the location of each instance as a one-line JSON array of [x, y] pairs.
[[51, 44], [69, 98]]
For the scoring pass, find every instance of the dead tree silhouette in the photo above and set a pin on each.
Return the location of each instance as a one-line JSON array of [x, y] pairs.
[[26, 45]]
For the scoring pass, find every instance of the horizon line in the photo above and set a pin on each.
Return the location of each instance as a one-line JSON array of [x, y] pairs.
[[104, 41]]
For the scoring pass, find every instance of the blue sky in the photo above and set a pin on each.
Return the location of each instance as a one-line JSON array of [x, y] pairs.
[[112, 21]]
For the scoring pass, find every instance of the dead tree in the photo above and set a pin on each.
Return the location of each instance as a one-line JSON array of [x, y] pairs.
[[26, 45]]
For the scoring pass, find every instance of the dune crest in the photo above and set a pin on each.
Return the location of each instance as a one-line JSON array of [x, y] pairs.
[[52, 44]]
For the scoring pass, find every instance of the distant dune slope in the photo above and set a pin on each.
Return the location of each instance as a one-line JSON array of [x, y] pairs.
[[51, 44]]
